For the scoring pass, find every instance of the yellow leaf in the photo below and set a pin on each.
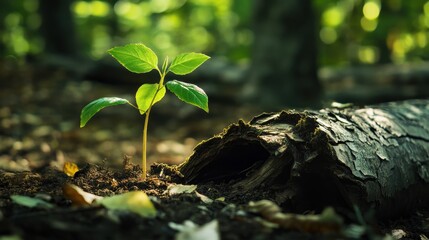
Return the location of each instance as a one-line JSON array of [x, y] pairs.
[[70, 169], [137, 202], [78, 196]]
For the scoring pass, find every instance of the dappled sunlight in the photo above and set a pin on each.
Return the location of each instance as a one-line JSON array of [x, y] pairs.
[[19, 43], [368, 54], [159, 6], [426, 8], [368, 25], [333, 17], [403, 44], [102, 42], [133, 12], [225, 27], [424, 20], [405, 38], [371, 10], [328, 35], [94, 8], [421, 39]]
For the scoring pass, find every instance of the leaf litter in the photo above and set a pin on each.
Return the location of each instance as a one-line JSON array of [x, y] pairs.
[[160, 208]]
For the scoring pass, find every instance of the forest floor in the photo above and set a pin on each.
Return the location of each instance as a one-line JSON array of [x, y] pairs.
[[39, 129]]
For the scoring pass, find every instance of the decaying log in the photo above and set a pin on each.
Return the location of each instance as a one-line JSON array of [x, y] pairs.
[[376, 156]]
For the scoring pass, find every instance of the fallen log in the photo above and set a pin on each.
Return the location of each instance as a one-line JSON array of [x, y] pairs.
[[373, 157]]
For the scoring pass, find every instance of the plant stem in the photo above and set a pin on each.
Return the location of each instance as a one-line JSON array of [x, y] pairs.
[[146, 123], [144, 161]]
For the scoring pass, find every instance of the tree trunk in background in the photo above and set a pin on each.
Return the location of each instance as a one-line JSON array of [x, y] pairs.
[[113, 20], [4, 10], [284, 62], [377, 156], [58, 27]]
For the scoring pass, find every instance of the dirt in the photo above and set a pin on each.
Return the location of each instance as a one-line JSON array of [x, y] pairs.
[[68, 222], [65, 221], [39, 132]]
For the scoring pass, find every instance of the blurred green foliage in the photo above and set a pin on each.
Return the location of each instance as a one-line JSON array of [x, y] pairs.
[[350, 31], [373, 31], [19, 23]]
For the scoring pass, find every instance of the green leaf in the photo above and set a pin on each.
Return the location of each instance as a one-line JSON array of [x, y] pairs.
[[189, 93], [93, 107], [187, 62], [135, 57], [30, 202], [145, 96], [136, 201]]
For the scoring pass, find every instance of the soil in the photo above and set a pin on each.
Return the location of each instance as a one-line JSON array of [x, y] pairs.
[[39, 133], [66, 221]]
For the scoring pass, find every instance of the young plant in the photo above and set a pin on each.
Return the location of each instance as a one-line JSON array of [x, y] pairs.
[[138, 58]]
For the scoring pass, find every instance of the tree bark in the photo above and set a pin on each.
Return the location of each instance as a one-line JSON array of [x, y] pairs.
[[372, 157]]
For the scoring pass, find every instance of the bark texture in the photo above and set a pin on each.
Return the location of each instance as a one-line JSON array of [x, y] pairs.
[[376, 156]]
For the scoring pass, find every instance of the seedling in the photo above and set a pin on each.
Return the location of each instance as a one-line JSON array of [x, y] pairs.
[[138, 58]]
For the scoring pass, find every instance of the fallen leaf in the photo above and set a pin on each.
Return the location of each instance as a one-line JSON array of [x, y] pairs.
[[137, 202], [204, 198], [187, 225], [30, 202], [43, 196], [398, 234], [190, 231], [203, 208], [70, 169], [174, 189], [221, 199], [326, 222], [78, 196]]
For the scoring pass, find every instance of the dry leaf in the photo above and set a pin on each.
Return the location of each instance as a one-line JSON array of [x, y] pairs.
[[221, 199], [209, 231], [204, 198], [137, 202], [70, 169], [326, 222], [398, 234], [187, 225], [173, 189], [78, 196]]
